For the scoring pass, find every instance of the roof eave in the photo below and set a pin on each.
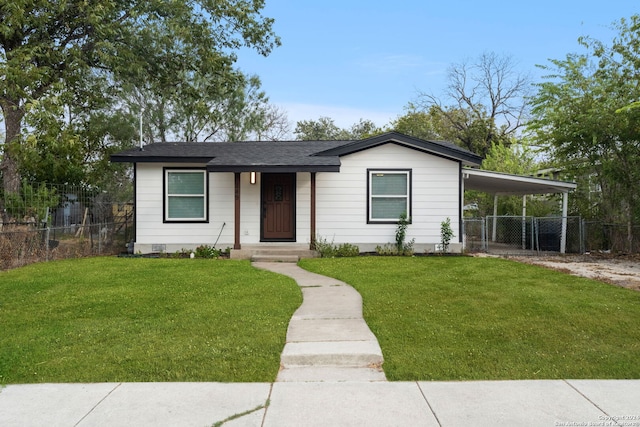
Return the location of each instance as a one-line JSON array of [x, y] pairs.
[[124, 158], [273, 168]]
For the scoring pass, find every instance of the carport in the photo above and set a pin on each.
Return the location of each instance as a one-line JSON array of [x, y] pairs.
[[502, 184]]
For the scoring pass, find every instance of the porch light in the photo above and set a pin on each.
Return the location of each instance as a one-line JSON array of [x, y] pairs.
[[252, 177]]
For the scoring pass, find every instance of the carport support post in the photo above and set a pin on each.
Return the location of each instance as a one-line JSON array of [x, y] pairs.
[[494, 233], [565, 210], [524, 222]]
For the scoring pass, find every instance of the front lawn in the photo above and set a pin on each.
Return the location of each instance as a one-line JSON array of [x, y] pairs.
[[462, 318], [123, 319]]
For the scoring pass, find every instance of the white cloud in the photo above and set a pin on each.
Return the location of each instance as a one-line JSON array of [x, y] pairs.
[[342, 116]]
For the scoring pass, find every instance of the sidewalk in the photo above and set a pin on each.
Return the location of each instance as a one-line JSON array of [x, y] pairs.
[[483, 403]]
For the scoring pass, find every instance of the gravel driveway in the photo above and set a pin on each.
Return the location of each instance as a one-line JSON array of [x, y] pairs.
[[620, 270]]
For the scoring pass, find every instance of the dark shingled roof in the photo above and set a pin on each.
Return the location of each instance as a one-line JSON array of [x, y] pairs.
[[282, 156]]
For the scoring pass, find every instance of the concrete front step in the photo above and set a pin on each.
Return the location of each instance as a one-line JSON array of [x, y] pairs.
[[329, 374], [273, 253], [334, 353], [275, 258]]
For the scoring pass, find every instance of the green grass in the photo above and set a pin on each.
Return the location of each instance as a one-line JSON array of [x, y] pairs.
[[123, 319], [462, 318]]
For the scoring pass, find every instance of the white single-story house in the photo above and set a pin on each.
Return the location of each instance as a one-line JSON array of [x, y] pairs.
[[244, 195]]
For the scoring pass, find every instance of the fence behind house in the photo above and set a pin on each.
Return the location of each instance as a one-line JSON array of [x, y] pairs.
[[517, 235]]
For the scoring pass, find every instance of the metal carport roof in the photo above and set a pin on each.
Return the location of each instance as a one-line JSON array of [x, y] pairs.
[[503, 184]]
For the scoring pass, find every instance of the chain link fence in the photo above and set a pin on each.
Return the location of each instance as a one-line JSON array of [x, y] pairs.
[[42, 223], [22, 244], [517, 235]]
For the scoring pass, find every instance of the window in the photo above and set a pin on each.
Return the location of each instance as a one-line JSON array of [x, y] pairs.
[[389, 195], [185, 195]]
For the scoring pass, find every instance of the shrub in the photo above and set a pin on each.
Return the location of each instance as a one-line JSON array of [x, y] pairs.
[[206, 251], [347, 250], [328, 249], [446, 233]]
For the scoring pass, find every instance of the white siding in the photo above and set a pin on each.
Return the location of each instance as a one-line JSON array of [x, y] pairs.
[[342, 198], [151, 230], [153, 234], [341, 204]]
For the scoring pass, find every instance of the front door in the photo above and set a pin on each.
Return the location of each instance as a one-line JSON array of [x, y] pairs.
[[278, 206]]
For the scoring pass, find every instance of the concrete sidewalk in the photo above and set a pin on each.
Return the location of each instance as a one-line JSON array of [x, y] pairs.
[[483, 403]]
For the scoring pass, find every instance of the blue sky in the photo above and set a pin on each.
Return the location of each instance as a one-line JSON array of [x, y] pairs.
[[355, 59]]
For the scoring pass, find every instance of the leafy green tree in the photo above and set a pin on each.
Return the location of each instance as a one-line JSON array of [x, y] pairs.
[[581, 118], [517, 158], [416, 123], [56, 52], [325, 129], [363, 129]]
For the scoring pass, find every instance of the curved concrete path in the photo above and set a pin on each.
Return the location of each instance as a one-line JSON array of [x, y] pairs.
[[327, 338]]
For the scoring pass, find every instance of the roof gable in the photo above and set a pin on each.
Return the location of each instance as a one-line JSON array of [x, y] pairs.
[[438, 148]]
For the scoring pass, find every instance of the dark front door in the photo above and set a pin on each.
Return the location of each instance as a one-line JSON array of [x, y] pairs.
[[278, 206]]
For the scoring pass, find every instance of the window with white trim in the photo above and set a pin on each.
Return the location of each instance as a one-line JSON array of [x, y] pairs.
[[389, 194], [185, 195]]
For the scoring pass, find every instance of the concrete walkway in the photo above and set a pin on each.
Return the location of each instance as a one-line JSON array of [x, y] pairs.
[[327, 338]]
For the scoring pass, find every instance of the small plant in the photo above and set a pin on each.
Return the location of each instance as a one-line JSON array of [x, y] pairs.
[[206, 251], [401, 231], [387, 249], [347, 250], [325, 248], [446, 233], [328, 249], [401, 247], [182, 253]]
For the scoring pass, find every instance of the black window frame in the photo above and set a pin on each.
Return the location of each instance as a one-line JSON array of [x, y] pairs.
[[165, 196], [370, 196]]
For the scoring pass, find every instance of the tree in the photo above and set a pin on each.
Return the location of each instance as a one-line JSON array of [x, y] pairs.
[[274, 126], [56, 51], [206, 109], [517, 158], [484, 102], [416, 123], [325, 129], [580, 116]]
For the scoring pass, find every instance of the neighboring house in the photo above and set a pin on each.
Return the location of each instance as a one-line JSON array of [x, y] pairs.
[[244, 194]]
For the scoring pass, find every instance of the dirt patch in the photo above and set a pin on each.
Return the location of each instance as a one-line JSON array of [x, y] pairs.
[[620, 270]]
